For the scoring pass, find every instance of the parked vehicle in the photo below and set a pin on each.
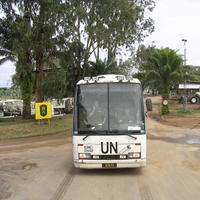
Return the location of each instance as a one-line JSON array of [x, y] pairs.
[[14, 107], [195, 99]]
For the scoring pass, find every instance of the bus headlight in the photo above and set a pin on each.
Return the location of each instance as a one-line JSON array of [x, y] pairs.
[[84, 155], [134, 155]]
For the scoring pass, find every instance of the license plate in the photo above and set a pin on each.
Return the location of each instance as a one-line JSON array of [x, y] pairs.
[[109, 165]]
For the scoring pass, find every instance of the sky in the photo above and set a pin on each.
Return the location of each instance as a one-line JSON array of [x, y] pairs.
[[174, 20]]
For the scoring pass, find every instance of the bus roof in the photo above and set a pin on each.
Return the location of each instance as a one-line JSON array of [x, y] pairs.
[[108, 78]]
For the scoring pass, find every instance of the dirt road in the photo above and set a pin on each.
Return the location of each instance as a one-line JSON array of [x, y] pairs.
[[41, 169]]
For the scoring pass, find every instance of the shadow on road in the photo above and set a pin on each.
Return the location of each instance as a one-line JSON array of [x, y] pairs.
[[109, 172]]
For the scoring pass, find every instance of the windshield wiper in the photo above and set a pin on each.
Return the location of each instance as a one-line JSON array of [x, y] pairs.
[[113, 131], [131, 136], [94, 132], [116, 131]]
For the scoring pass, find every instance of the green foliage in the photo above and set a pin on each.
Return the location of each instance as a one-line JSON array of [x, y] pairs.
[[125, 67], [123, 23], [54, 85], [9, 93], [101, 67], [164, 109], [160, 68], [34, 33], [6, 35], [110, 24], [138, 62], [165, 68], [187, 112], [142, 55], [25, 79], [72, 62], [191, 73], [102, 26]]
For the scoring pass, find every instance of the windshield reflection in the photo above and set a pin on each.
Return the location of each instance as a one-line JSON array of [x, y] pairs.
[[108, 107]]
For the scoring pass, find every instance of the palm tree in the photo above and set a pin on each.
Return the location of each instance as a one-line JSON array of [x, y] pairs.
[[101, 67], [164, 69]]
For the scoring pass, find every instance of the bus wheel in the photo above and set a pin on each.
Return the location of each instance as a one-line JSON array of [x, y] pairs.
[[149, 104]]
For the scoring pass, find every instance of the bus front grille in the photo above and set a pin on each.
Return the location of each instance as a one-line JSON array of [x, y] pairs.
[[107, 157]]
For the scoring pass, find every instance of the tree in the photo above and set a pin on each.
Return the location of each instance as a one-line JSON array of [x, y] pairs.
[[109, 25], [164, 68], [54, 85], [34, 34], [6, 36], [138, 62], [101, 67], [123, 23], [14, 43], [48, 32], [191, 73], [70, 61], [37, 31]]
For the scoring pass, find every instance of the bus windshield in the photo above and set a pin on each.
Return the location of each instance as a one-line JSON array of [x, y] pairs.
[[110, 108]]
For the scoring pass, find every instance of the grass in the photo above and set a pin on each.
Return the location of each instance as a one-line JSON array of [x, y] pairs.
[[177, 108], [187, 112], [180, 112], [19, 127]]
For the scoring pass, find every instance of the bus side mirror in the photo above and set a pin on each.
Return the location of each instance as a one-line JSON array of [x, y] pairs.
[[149, 105]]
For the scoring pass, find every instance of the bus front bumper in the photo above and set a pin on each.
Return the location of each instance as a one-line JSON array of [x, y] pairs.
[[100, 164]]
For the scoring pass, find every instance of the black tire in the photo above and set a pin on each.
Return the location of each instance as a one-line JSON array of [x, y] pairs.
[[149, 104]]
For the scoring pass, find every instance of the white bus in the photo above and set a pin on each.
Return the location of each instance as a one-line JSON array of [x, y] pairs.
[[109, 123]]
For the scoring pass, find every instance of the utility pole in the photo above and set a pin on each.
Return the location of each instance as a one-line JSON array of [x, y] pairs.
[[185, 96]]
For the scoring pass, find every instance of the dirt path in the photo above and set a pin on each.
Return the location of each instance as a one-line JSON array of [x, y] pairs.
[[24, 144], [182, 121]]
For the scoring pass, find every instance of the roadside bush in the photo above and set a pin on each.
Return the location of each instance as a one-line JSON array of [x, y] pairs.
[[164, 109]]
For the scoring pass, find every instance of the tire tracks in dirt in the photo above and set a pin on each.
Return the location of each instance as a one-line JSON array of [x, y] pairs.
[[145, 192], [144, 189], [64, 185]]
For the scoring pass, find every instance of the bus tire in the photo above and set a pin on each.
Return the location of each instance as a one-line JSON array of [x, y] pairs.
[[149, 104]]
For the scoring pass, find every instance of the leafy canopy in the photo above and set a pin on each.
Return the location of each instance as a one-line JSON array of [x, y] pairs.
[[161, 68]]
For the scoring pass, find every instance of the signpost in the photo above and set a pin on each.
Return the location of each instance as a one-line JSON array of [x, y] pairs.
[[43, 111]]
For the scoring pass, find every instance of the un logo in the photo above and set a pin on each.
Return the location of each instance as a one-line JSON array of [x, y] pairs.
[[43, 110]]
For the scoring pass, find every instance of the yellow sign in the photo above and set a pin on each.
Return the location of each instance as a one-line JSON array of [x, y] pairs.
[[43, 110]]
